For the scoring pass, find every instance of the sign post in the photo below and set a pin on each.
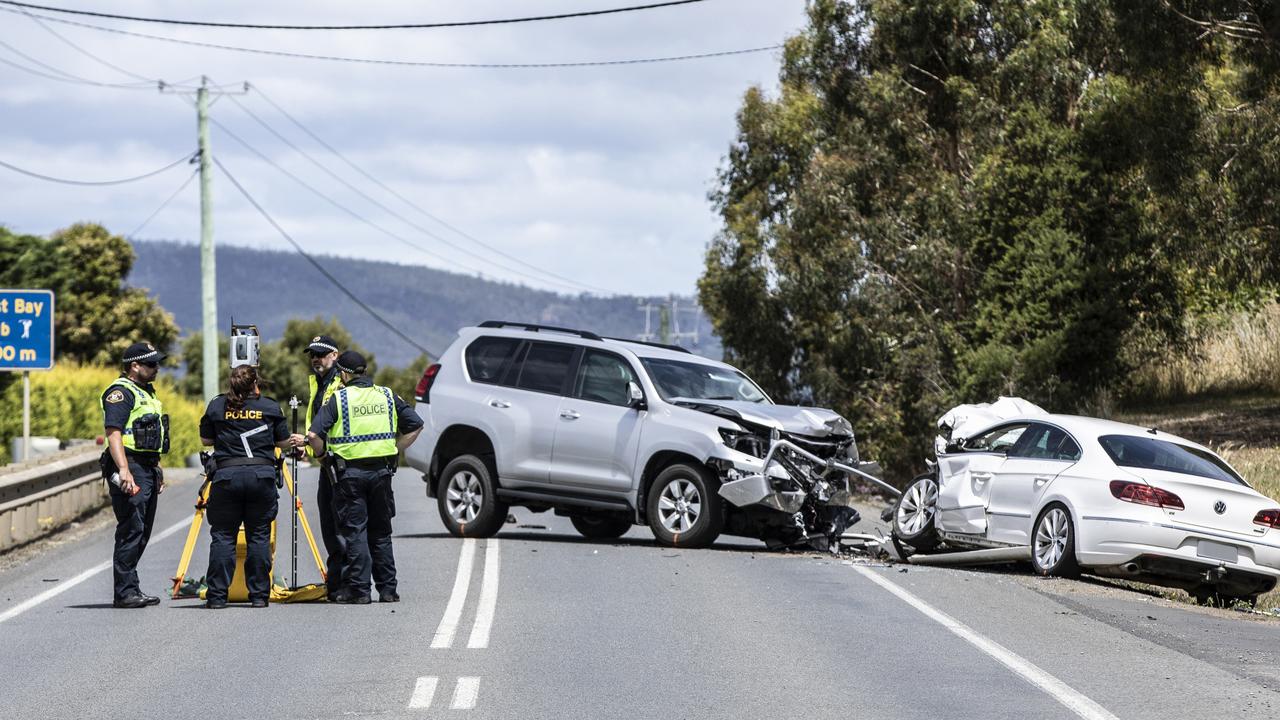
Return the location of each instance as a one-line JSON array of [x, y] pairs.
[[26, 343]]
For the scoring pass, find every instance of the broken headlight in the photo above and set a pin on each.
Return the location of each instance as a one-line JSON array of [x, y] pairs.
[[745, 442]]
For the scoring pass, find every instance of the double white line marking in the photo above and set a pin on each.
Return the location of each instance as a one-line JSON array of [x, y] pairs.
[[448, 627], [467, 690]]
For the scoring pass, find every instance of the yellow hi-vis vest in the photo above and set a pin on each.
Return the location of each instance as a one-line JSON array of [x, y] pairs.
[[144, 403], [366, 423], [312, 383]]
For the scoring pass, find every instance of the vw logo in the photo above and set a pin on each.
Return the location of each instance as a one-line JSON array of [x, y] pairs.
[[1219, 507]]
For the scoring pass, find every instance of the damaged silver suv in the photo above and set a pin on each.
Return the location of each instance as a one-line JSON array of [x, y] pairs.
[[614, 433]]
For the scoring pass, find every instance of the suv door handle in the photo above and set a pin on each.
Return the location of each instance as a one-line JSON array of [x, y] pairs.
[[569, 415], [503, 404]]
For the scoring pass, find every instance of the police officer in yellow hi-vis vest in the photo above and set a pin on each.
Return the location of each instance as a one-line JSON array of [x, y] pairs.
[[359, 426], [137, 433], [322, 383]]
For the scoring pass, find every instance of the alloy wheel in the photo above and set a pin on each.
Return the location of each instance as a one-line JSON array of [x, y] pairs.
[[1052, 536], [679, 506], [464, 497], [918, 505]]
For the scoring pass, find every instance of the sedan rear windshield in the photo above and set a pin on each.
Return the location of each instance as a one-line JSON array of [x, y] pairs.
[[1153, 454]]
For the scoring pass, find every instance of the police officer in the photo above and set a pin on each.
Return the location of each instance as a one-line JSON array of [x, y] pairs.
[[244, 429], [137, 433], [322, 383], [358, 427]]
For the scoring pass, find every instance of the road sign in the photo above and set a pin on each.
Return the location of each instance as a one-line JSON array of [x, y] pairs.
[[26, 330]]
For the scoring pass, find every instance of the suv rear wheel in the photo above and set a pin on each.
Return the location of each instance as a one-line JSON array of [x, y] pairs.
[[601, 527], [468, 498], [683, 508]]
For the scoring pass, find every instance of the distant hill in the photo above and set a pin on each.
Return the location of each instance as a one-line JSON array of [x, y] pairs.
[[267, 288]]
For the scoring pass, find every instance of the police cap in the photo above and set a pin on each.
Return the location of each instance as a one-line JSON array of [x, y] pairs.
[[143, 352], [321, 345], [351, 362]]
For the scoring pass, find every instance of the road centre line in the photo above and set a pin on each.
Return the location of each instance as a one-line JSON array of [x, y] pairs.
[[1069, 697], [488, 597], [63, 587], [423, 691], [457, 599], [465, 693]]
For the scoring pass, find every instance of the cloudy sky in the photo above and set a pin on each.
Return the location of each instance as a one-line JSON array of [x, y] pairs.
[[596, 174]]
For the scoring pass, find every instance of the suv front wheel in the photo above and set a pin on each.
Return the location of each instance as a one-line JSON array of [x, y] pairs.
[[683, 508], [468, 498]]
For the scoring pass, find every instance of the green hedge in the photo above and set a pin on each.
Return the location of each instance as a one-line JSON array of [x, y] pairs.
[[65, 404]]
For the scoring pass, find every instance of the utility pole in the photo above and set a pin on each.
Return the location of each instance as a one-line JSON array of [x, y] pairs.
[[208, 269], [210, 363]]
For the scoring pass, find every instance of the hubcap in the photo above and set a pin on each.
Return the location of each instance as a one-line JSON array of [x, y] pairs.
[[679, 506], [464, 497], [918, 505], [1052, 535]]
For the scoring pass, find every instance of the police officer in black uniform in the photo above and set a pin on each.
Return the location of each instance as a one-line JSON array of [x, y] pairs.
[[136, 433], [244, 429], [365, 466]]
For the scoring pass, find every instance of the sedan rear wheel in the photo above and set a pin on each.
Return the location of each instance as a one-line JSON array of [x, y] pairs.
[[913, 519], [1053, 543]]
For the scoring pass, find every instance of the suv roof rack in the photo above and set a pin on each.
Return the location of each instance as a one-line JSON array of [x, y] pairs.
[[664, 346], [585, 334]]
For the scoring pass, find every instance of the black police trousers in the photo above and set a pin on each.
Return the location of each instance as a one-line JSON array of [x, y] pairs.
[[365, 505], [245, 494], [134, 518], [334, 547]]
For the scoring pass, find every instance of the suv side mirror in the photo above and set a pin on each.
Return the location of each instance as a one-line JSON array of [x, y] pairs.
[[636, 396]]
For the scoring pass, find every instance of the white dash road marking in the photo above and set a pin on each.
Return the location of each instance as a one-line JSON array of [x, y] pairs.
[[26, 605], [488, 597], [1071, 698], [465, 693], [457, 599], [423, 692]]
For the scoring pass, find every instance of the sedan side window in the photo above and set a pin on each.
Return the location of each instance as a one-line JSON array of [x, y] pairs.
[[1045, 442], [996, 440], [604, 378]]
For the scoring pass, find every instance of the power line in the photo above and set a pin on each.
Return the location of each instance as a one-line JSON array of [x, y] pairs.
[[122, 181], [566, 282], [62, 75], [329, 276], [402, 63], [400, 26], [412, 204], [164, 204]]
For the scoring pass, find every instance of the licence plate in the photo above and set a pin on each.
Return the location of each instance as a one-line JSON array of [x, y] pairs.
[[1218, 551]]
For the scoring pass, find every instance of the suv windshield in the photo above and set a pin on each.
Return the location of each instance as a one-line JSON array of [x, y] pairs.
[[1153, 454], [695, 381]]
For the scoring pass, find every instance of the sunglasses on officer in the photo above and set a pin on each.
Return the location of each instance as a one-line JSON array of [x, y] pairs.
[[149, 363]]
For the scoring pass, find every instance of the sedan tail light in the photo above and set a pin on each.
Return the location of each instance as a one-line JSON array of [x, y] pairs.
[[422, 393], [1144, 494], [1267, 518]]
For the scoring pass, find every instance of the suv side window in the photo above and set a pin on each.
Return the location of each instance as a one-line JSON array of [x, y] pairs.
[[603, 377], [546, 367], [999, 439], [487, 356]]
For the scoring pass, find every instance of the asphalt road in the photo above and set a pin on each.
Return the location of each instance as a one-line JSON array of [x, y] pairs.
[[543, 624]]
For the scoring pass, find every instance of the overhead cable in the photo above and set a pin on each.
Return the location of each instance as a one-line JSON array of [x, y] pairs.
[[571, 284], [398, 26], [315, 263], [62, 75], [122, 181], [355, 215], [412, 204], [164, 204], [403, 63]]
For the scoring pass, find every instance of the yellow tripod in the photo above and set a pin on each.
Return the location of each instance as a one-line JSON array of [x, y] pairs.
[[238, 592]]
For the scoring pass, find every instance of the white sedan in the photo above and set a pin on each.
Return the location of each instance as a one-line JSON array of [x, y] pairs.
[[1113, 499]]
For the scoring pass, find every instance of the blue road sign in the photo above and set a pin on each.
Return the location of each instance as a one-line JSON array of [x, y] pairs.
[[26, 329]]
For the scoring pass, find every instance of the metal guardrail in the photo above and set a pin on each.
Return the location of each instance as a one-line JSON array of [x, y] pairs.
[[38, 498]]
